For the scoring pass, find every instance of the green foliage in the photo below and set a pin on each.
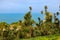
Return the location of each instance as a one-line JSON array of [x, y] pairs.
[[28, 20], [29, 28]]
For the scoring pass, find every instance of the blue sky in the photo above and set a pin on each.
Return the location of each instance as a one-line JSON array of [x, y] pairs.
[[22, 6]]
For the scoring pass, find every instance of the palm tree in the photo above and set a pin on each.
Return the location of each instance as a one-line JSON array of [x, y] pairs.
[[41, 12], [30, 8], [46, 8], [57, 22], [56, 19], [57, 13], [39, 20], [27, 17], [59, 7]]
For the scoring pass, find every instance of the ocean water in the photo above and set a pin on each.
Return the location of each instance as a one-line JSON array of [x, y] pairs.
[[9, 18]]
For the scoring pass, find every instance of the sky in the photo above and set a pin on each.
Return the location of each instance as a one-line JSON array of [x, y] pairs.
[[8, 8], [22, 6]]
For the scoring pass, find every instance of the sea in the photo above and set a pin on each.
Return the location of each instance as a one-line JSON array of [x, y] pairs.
[[15, 17]]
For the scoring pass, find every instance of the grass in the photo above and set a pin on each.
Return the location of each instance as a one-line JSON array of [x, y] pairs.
[[50, 37]]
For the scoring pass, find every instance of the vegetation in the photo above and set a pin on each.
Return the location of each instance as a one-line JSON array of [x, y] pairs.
[[49, 37], [29, 28]]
